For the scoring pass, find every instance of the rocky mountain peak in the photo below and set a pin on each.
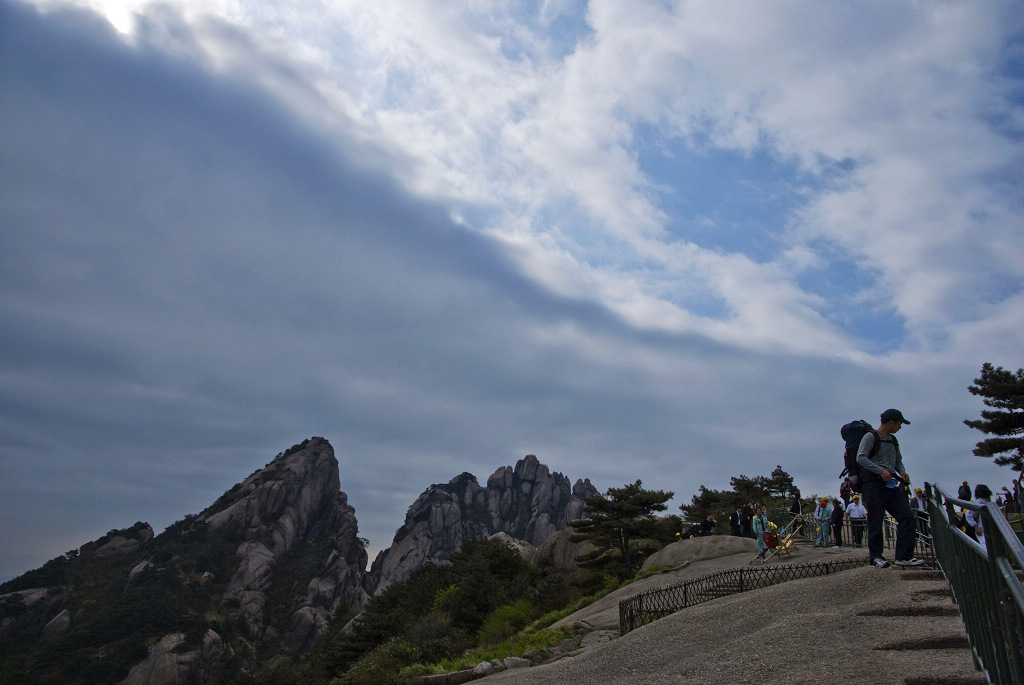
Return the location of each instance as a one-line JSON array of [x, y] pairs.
[[526, 501], [295, 499], [268, 564]]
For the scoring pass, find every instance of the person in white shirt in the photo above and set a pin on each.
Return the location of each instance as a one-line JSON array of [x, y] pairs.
[[858, 514], [982, 495]]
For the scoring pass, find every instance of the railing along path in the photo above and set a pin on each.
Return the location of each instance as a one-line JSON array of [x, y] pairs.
[[651, 605], [986, 583], [986, 580]]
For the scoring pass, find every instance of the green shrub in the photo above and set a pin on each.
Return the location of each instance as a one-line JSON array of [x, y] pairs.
[[526, 641], [504, 622], [382, 664], [445, 598], [437, 638]]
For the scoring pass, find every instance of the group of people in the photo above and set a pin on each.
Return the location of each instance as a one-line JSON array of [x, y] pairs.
[[884, 485], [1008, 499], [751, 521], [741, 521], [830, 515], [882, 475]]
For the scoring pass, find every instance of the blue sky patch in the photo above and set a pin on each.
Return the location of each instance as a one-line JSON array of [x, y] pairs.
[[722, 199]]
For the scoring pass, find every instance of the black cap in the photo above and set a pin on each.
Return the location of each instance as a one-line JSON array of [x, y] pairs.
[[893, 415]]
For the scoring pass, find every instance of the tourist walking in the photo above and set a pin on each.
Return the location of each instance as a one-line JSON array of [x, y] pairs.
[[858, 514], [748, 516], [882, 470], [964, 492]]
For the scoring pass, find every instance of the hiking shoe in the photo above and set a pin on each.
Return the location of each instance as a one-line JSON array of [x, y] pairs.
[[879, 562], [909, 562]]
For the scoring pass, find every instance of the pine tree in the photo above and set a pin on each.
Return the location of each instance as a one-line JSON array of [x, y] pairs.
[[1004, 392], [621, 516]]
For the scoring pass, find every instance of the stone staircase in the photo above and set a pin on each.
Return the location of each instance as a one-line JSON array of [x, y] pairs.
[[933, 620]]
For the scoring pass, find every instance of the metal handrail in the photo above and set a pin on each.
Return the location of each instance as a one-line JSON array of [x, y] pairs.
[[985, 584], [651, 605]]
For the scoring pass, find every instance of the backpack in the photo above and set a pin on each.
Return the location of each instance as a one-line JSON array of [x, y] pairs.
[[845, 489], [852, 434]]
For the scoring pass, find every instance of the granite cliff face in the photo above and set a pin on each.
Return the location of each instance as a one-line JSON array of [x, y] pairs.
[[260, 572], [296, 499], [527, 502]]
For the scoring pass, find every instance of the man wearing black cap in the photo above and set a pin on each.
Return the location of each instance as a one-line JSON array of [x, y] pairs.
[[881, 473]]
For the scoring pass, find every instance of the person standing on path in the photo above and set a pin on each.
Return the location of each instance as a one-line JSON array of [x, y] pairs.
[[797, 510], [838, 513], [920, 506], [760, 526], [964, 492], [823, 518], [846, 491], [858, 520], [881, 462], [736, 521], [748, 517]]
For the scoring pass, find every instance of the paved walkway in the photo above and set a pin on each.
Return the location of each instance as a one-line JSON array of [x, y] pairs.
[[865, 625]]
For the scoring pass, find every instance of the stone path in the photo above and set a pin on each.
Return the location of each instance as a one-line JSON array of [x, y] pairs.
[[865, 625]]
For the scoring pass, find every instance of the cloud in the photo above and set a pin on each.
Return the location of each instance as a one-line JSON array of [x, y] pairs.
[[438, 237]]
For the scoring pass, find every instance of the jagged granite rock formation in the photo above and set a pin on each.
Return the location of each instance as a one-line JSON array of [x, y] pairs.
[[267, 566], [527, 502], [296, 498]]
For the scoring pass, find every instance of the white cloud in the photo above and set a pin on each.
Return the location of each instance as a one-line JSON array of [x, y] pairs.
[[231, 268], [902, 90]]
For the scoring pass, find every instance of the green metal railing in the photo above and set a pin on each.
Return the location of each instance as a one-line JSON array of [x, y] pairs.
[[986, 584]]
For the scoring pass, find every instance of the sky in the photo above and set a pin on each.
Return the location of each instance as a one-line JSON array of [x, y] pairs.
[[668, 241]]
